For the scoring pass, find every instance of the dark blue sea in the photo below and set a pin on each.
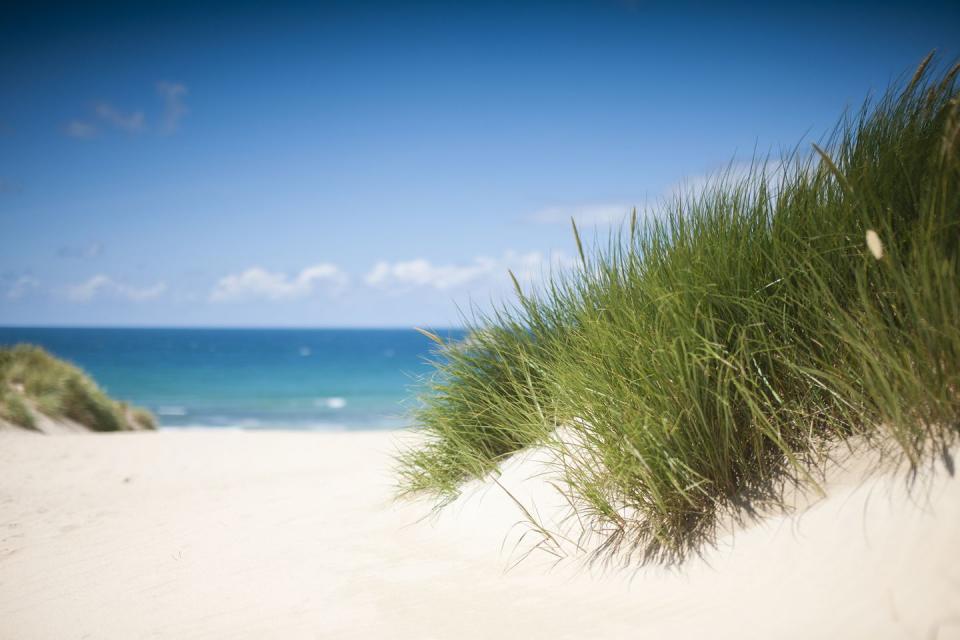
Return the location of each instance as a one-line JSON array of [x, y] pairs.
[[328, 379]]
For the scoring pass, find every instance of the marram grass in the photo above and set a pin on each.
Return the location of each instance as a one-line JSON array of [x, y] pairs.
[[32, 381], [715, 347]]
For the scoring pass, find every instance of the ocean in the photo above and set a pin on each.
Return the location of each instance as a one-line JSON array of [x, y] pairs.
[[326, 379]]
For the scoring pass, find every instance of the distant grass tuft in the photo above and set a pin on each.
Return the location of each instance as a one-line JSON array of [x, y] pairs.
[[30, 375], [142, 418], [712, 350], [15, 410]]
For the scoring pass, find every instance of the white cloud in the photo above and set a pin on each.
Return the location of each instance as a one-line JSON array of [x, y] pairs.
[[171, 94], [257, 283], [611, 213], [422, 273], [530, 267], [402, 276], [80, 129], [131, 122], [584, 214], [733, 173], [21, 286], [174, 108], [101, 285]]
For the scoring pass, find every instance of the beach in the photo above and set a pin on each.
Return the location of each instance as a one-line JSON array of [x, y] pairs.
[[471, 320], [219, 533]]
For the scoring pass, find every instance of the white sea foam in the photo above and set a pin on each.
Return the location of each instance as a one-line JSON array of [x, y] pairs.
[[173, 428], [335, 402], [172, 410], [246, 425]]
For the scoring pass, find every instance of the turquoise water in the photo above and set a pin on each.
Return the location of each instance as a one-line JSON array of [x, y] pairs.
[[335, 379]]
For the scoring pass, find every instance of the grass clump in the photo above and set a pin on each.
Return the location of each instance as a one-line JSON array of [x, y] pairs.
[[711, 350], [31, 377], [142, 418], [14, 410]]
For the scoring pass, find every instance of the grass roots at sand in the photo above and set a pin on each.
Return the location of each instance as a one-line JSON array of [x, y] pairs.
[[715, 346]]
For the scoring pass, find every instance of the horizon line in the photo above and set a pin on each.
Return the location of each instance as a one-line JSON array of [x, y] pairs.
[[238, 327]]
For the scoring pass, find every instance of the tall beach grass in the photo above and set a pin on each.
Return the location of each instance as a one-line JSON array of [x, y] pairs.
[[715, 346]]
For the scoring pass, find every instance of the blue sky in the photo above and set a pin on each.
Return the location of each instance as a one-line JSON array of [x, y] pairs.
[[379, 165]]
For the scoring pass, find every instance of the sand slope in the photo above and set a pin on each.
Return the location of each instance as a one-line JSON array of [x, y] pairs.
[[294, 535]]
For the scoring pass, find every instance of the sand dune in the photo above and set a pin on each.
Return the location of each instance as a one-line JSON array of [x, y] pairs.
[[294, 535]]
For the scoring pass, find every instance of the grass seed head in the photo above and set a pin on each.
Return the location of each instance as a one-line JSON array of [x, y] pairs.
[[874, 244]]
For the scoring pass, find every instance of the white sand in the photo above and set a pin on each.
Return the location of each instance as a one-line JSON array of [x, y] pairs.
[[286, 535]]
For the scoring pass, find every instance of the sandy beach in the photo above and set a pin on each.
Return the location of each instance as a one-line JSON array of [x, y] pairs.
[[210, 534], [472, 320]]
